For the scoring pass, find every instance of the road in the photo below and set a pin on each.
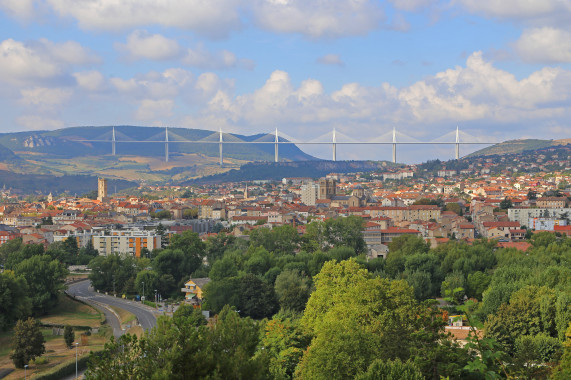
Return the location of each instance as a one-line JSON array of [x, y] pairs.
[[146, 316]]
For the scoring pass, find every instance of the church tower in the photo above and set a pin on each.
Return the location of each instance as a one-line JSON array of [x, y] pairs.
[[101, 189]]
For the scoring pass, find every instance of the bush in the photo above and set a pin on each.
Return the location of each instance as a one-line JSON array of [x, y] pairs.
[[64, 369]]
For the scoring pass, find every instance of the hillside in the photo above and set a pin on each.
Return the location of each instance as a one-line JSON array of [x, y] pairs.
[[516, 146], [278, 170], [139, 157], [44, 184]]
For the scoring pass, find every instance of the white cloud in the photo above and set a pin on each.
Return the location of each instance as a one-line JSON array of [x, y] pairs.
[[150, 109], [534, 12], [141, 44], [22, 9], [215, 19], [35, 122], [202, 58], [90, 80], [19, 62], [41, 60], [69, 52], [478, 92], [331, 59], [545, 45], [319, 18], [44, 97], [411, 5]]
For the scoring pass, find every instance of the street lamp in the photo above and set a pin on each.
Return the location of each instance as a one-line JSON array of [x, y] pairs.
[[156, 305], [26, 371], [143, 282], [76, 345]]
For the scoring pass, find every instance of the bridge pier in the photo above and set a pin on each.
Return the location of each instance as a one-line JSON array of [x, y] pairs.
[[276, 158], [220, 149], [166, 144], [113, 143], [334, 145], [394, 145], [457, 143]]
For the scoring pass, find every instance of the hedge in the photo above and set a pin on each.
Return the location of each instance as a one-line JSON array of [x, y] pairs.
[[65, 369]]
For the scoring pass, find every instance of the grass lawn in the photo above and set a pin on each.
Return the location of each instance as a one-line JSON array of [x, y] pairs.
[[68, 312], [56, 352], [73, 313]]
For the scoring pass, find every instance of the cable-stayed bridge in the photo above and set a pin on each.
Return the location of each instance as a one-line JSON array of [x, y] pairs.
[[277, 138]]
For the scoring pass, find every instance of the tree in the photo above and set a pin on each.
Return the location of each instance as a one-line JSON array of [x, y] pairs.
[[453, 287], [292, 290], [391, 370], [531, 311], [68, 335], [256, 298], [506, 203], [70, 246], [454, 207], [223, 268], [354, 320], [563, 370], [28, 342], [190, 315], [14, 301], [45, 278], [160, 231]]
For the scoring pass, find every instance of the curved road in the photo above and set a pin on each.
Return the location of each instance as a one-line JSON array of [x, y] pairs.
[[146, 316]]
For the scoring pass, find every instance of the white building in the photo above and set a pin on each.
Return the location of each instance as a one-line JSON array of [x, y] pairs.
[[126, 242], [309, 193]]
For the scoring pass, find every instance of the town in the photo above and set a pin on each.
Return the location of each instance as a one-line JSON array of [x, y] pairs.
[[481, 200]]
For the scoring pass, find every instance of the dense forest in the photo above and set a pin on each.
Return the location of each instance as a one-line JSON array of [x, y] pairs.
[[313, 307]]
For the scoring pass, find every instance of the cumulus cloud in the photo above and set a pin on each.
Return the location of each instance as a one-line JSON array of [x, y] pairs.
[[535, 12], [411, 5], [150, 109], [544, 45], [478, 92], [331, 59], [22, 9], [41, 60], [320, 18], [215, 19], [35, 122], [90, 80], [141, 44], [202, 58], [45, 98]]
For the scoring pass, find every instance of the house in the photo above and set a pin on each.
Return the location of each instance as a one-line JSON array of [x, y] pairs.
[[551, 202], [193, 289]]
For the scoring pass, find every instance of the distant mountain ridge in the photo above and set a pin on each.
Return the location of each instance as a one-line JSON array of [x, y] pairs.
[[67, 142], [140, 154], [517, 146]]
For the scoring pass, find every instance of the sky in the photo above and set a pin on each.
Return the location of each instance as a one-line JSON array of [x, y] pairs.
[[497, 70]]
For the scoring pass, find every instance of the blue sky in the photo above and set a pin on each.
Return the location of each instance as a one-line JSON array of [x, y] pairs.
[[497, 69]]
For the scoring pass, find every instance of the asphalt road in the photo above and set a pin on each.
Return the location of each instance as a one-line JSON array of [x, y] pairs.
[[145, 315]]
